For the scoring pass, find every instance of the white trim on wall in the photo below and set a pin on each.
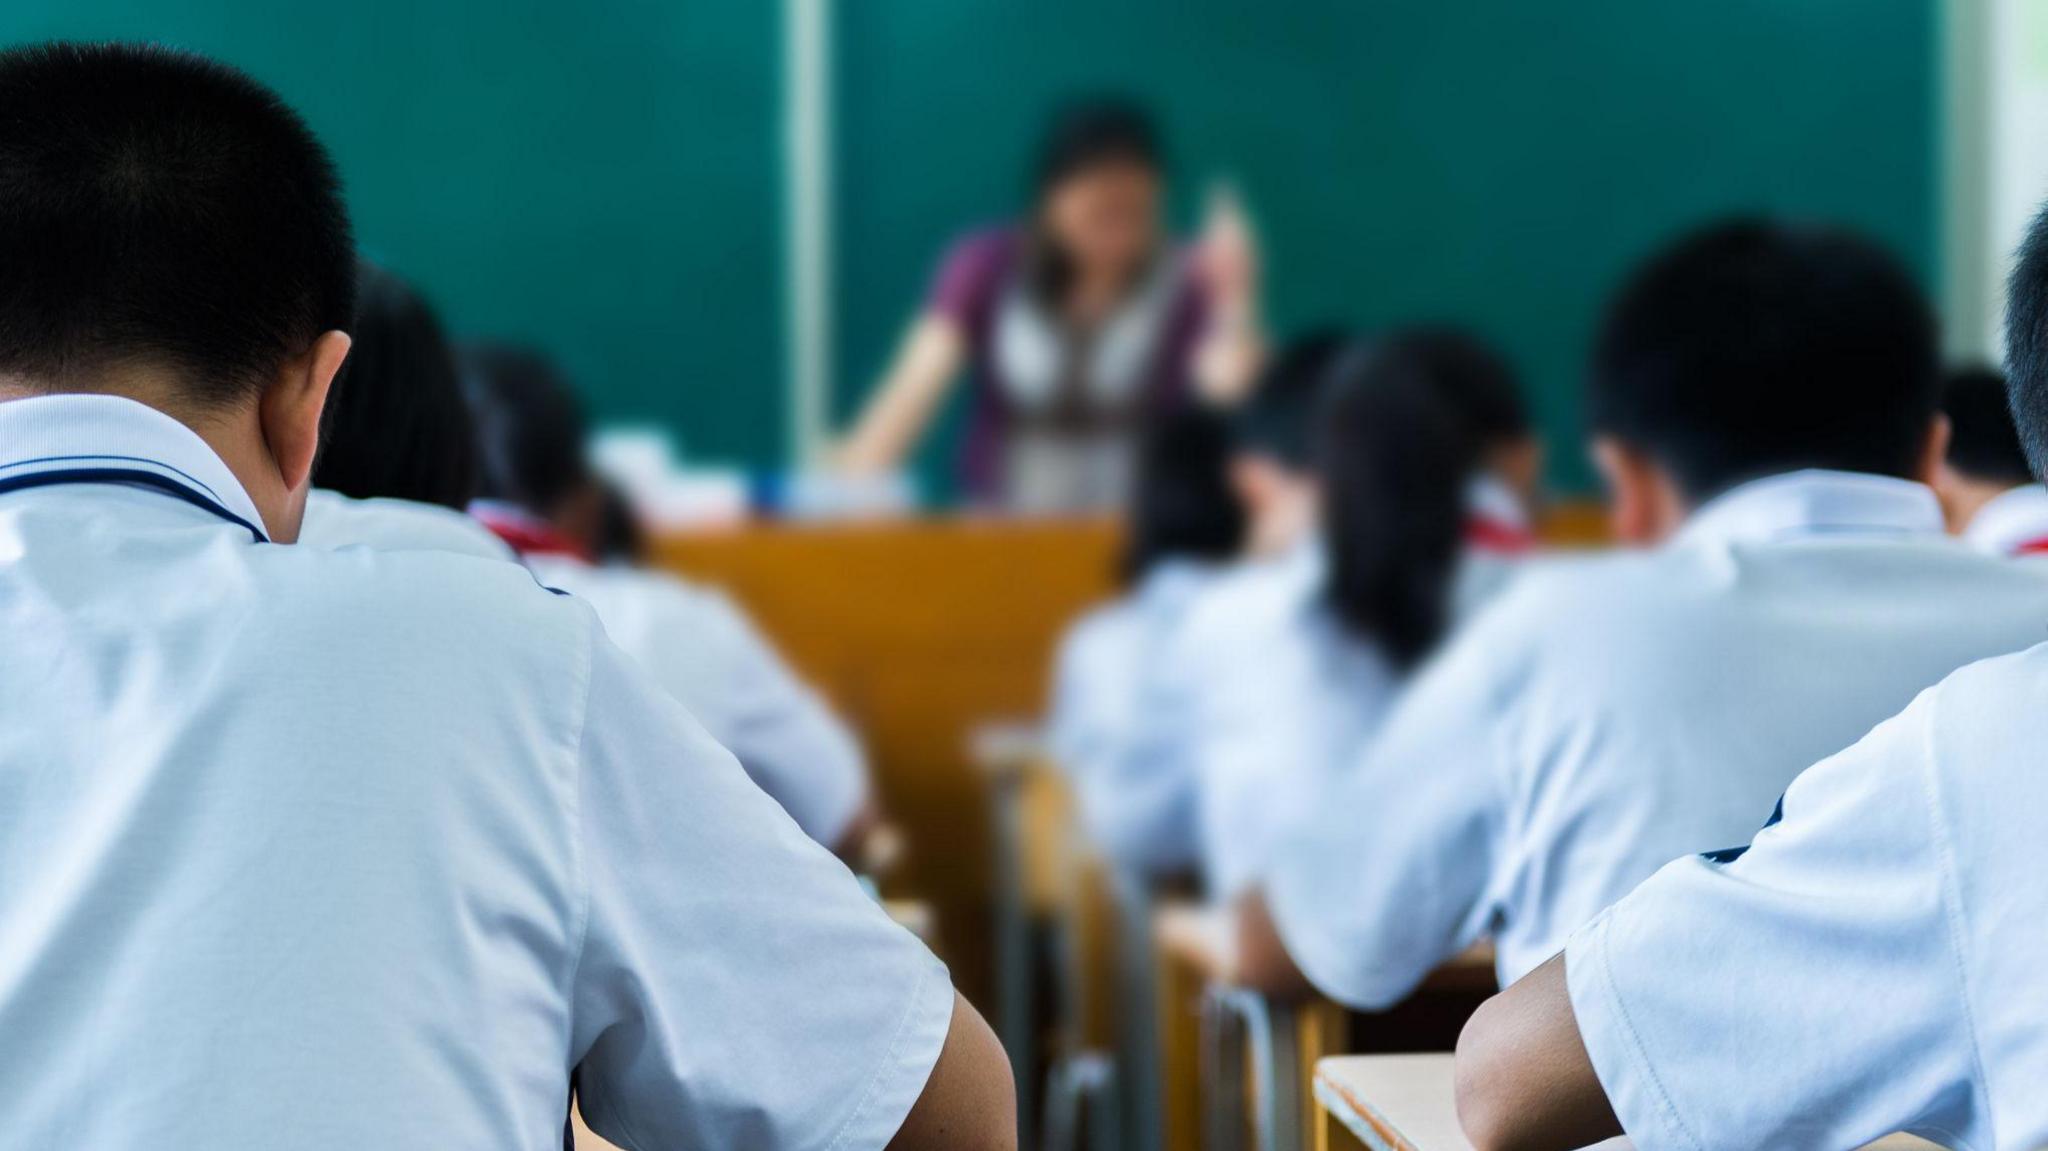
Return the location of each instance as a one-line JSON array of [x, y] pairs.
[[807, 204]]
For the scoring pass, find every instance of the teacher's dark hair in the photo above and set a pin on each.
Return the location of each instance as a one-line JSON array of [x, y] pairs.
[[1182, 506], [397, 424], [1083, 134], [1394, 460]]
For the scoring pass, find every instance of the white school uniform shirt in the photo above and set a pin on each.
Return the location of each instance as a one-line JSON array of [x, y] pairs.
[[1098, 674], [2012, 523], [334, 520], [1614, 711], [375, 849], [1147, 820], [1873, 963], [700, 647]]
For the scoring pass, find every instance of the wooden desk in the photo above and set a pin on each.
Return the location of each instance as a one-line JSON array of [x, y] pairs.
[[918, 630], [1245, 1065], [1409, 1103]]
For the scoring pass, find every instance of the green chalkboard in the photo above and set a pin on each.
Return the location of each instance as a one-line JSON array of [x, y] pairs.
[[602, 179], [605, 178], [1499, 161]]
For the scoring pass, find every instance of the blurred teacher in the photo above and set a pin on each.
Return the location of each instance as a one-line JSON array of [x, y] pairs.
[[1075, 324]]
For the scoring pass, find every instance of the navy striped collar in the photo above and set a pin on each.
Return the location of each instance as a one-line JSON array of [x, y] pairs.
[[47, 441]]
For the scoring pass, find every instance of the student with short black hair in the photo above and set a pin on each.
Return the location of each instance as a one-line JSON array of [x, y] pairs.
[[1154, 769], [1989, 497], [359, 848], [541, 496], [1870, 963], [1184, 527], [1763, 401], [398, 462]]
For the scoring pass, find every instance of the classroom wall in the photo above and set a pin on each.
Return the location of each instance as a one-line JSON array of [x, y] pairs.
[[599, 178], [605, 179]]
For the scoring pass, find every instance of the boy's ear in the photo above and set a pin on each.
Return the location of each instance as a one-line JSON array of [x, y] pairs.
[[1644, 505], [292, 406], [1933, 450]]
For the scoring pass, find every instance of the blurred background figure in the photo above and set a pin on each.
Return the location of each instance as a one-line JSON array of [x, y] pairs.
[[1075, 324], [1183, 528], [399, 463], [540, 495], [1988, 494]]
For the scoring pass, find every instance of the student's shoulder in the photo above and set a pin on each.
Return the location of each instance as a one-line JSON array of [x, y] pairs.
[[360, 596], [1570, 591], [334, 520]]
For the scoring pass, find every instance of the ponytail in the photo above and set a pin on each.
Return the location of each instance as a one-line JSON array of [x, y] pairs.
[[1394, 462]]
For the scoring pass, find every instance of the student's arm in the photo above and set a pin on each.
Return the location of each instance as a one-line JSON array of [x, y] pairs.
[[926, 363], [734, 986], [1525, 1082], [1262, 960], [1808, 993], [1389, 870], [1232, 346], [784, 734], [968, 1102]]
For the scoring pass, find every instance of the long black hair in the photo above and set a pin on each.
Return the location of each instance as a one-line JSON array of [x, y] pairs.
[[1182, 506], [1394, 458], [1083, 133], [397, 425]]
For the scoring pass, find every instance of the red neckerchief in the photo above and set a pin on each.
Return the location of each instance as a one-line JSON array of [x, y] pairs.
[[2033, 547], [529, 536], [1497, 538]]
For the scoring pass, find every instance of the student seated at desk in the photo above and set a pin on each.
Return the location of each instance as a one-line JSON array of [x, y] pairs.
[[542, 497], [1986, 491], [1184, 524], [335, 848], [399, 462], [1871, 963], [1151, 827], [1395, 466], [1764, 404]]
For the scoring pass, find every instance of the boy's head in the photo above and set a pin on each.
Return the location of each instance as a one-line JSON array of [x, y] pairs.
[[533, 439], [397, 424], [1751, 348], [1984, 458], [171, 232], [2026, 344], [1182, 506], [1272, 465]]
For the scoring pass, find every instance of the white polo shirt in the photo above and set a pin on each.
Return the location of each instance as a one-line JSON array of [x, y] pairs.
[[2013, 523], [1873, 963], [700, 647], [334, 520], [1149, 819], [1098, 675], [349, 849], [1615, 711]]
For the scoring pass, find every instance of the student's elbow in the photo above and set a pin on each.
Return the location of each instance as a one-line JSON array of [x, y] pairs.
[[969, 1102], [1483, 1091], [1262, 961]]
